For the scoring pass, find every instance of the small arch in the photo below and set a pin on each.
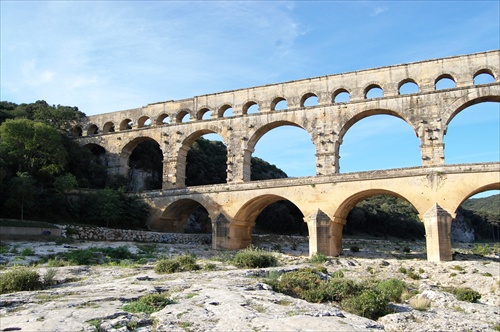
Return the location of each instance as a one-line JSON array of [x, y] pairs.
[[444, 81], [144, 121], [126, 124], [341, 96], [309, 100], [225, 111], [183, 116], [251, 107], [109, 127], [279, 104], [484, 76], [92, 130], [373, 91], [204, 114], [162, 119], [408, 86], [76, 131]]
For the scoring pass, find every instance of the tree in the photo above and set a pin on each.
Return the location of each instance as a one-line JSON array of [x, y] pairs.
[[22, 190], [32, 147]]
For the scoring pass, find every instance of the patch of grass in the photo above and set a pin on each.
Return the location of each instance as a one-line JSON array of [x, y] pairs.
[[148, 303], [318, 258], [254, 258], [93, 256], [27, 252], [95, 323], [20, 279], [420, 303], [179, 264]]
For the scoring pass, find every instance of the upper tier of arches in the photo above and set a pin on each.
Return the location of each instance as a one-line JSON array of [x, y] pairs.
[[387, 82]]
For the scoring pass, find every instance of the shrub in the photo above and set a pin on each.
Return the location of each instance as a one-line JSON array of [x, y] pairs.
[[340, 289], [178, 264], [318, 258], [354, 249], [369, 303], [392, 288], [20, 279], [27, 252], [254, 258], [148, 303], [464, 294], [92, 256]]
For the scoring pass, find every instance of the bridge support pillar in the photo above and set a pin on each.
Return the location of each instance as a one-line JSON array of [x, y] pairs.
[[437, 223], [230, 235], [325, 236]]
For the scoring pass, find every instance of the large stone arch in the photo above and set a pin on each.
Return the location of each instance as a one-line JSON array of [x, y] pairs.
[[256, 134], [182, 149], [175, 216], [349, 122], [466, 101], [240, 229]]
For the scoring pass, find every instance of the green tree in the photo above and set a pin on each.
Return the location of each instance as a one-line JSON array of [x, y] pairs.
[[22, 189], [32, 147]]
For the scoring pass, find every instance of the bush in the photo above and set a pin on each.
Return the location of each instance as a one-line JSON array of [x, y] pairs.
[[369, 303], [318, 258], [354, 249], [92, 256], [179, 264], [420, 303], [148, 303], [464, 294], [20, 279], [254, 258], [392, 288]]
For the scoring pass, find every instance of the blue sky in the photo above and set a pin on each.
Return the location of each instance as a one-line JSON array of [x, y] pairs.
[[105, 56]]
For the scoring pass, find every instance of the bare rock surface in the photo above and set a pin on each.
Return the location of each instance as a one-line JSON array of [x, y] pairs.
[[225, 298]]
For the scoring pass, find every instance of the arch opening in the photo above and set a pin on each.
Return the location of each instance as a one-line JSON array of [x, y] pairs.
[[382, 214], [163, 119], [76, 131], [484, 77], [282, 150], [126, 124], [183, 117], [109, 127], [204, 114], [225, 111], [145, 165], [97, 167], [408, 87], [341, 96], [445, 82], [185, 216], [251, 108], [374, 91], [144, 121], [309, 100], [279, 104], [92, 130], [206, 160], [478, 217], [473, 134], [378, 140]]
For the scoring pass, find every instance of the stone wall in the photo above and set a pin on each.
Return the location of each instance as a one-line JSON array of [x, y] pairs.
[[110, 234]]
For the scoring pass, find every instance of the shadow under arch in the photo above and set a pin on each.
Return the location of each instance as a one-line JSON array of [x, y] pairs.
[[240, 229], [184, 216]]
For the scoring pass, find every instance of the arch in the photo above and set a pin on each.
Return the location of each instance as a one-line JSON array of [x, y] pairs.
[[144, 121], [309, 99], [380, 129], [126, 124], [251, 107], [350, 202], [183, 151], [279, 100], [463, 103], [204, 114], [131, 145], [176, 216], [225, 111], [184, 115], [372, 91], [92, 130], [250, 210], [76, 131], [145, 165], [444, 81], [109, 127], [341, 96], [484, 76], [162, 119], [408, 86], [479, 189]]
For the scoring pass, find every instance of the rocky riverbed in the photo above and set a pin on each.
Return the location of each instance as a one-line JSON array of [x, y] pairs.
[[221, 297]]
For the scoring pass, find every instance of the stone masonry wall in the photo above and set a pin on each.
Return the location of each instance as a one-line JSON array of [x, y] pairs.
[[111, 234]]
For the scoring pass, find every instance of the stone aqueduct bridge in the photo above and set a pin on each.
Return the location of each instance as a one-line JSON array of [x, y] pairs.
[[434, 189]]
